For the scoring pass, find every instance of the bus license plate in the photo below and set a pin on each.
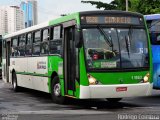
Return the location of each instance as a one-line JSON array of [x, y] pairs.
[[120, 89]]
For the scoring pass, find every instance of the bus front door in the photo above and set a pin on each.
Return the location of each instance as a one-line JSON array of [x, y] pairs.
[[7, 60], [69, 61]]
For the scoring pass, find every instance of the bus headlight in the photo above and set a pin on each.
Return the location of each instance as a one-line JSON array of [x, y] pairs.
[[92, 80], [146, 78]]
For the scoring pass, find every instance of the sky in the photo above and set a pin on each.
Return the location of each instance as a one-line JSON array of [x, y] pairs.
[[50, 9]]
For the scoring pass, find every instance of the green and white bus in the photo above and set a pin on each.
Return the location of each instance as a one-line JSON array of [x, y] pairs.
[[85, 55]]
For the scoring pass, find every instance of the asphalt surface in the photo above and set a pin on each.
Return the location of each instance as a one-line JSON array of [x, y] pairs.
[[35, 105]]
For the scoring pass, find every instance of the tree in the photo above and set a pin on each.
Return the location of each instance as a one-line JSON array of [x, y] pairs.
[[149, 6], [114, 5], [142, 6]]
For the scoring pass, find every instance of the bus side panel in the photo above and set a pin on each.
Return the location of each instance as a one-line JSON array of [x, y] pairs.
[[24, 81], [32, 72], [84, 91], [20, 67], [37, 67], [55, 64], [155, 76], [4, 70], [156, 66], [83, 73]]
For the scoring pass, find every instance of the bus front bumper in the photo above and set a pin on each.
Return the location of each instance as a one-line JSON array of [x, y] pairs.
[[115, 91]]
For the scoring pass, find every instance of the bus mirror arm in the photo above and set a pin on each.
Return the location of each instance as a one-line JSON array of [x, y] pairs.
[[78, 42]]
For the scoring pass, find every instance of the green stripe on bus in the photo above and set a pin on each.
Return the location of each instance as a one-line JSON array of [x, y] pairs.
[[33, 74]]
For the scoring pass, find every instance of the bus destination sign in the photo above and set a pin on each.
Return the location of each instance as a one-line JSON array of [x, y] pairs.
[[111, 20], [117, 20]]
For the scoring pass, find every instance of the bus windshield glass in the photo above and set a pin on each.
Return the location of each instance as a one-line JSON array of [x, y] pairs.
[[115, 48], [154, 30]]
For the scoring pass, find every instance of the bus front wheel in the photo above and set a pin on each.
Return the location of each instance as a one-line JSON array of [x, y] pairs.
[[56, 91], [14, 82], [113, 100]]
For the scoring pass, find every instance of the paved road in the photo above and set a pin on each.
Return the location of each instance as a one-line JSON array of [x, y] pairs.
[[34, 105]]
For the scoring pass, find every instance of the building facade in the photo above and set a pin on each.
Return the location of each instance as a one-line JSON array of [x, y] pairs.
[[15, 19], [3, 21], [29, 8], [12, 19]]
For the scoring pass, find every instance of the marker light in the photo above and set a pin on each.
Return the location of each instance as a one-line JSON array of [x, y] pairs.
[[146, 78]]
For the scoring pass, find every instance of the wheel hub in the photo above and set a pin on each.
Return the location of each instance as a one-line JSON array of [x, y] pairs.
[[57, 89], [14, 84]]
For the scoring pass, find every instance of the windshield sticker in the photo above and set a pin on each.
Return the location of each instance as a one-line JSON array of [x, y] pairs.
[[108, 64], [96, 64]]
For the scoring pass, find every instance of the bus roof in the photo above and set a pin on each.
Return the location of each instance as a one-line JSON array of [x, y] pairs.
[[67, 18], [43, 25], [152, 17], [110, 12], [35, 27]]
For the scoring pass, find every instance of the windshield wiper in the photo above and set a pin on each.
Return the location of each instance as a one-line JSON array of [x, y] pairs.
[[111, 42], [127, 46], [128, 40], [105, 36], [130, 32]]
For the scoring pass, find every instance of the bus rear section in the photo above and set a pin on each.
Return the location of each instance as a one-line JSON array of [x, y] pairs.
[[153, 22]]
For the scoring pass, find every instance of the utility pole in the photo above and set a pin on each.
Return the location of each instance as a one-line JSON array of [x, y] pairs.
[[126, 5]]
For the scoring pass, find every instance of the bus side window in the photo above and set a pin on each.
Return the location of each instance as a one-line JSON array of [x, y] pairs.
[[36, 43], [56, 40], [14, 44], [28, 51], [21, 46], [45, 41]]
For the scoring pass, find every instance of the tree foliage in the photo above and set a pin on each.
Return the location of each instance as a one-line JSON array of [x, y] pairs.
[[114, 5], [142, 6], [149, 6]]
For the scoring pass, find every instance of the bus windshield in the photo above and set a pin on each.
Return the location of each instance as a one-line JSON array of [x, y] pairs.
[[154, 30], [123, 48]]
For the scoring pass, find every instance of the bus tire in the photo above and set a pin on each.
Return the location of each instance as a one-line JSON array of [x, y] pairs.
[[14, 82], [56, 91], [114, 100]]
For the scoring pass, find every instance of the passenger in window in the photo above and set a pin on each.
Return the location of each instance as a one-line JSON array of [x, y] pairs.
[[17, 53], [28, 51], [45, 48], [13, 52]]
